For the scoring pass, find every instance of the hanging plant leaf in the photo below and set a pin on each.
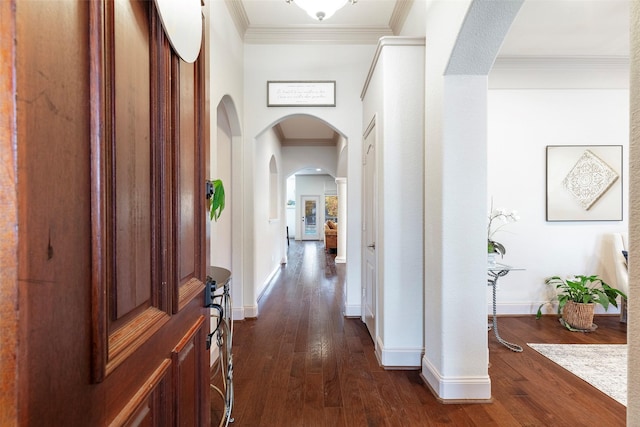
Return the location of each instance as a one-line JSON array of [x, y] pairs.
[[215, 194]]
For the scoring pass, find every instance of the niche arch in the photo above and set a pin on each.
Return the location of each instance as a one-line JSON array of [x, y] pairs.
[[226, 245]]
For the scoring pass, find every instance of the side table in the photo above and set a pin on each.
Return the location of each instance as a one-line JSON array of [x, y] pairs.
[[220, 279], [496, 271]]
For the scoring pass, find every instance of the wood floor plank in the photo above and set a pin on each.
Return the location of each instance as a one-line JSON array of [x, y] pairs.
[[330, 376], [335, 417], [313, 412], [302, 363]]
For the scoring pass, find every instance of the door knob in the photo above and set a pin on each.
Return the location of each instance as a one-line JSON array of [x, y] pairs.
[[372, 246]]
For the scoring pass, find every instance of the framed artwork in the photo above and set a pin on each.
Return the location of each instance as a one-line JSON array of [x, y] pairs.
[[584, 183], [301, 93]]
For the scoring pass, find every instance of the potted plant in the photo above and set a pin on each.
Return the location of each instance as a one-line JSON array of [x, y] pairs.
[[215, 196], [498, 218], [577, 297]]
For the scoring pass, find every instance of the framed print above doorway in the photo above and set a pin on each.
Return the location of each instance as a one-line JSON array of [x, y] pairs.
[[301, 93], [584, 183]]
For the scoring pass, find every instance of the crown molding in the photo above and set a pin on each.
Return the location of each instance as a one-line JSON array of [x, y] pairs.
[[238, 15], [516, 62], [314, 35], [388, 41], [399, 15]]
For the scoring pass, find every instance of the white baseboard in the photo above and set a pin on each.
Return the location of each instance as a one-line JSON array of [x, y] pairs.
[[354, 310], [531, 308], [456, 389], [238, 313], [250, 311], [513, 308], [398, 358], [340, 260]]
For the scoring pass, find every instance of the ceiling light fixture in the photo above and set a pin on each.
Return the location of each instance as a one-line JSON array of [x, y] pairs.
[[321, 9]]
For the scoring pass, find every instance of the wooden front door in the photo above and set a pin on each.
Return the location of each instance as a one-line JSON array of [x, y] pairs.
[[111, 131]]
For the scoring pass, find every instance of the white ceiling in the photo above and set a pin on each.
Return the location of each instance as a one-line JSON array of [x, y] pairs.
[[542, 29], [570, 28]]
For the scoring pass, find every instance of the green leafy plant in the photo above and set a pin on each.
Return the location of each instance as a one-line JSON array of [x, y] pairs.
[[582, 289], [215, 196], [494, 247]]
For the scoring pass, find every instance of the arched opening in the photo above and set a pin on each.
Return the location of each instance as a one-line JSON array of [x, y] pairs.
[[226, 245], [299, 145], [221, 249]]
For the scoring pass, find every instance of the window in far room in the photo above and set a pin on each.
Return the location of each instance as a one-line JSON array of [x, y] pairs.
[[331, 208]]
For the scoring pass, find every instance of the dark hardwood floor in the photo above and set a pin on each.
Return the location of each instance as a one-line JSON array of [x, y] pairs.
[[301, 363]]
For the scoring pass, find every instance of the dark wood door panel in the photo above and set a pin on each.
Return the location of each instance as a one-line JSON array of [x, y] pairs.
[[130, 170], [109, 328], [152, 179], [128, 302], [190, 377], [189, 165], [148, 406]]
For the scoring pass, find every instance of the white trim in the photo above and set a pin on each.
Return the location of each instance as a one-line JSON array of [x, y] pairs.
[[250, 311], [456, 388], [340, 260], [513, 62], [530, 308], [238, 313], [399, 15], [267, 283], [256, 34], [239, 16], [388, 41], [353, 310], [398, 357]]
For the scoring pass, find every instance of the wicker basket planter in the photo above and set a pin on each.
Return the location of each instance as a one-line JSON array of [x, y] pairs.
[[577, 315]]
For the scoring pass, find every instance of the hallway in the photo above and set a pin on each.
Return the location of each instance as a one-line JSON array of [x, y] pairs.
[[301, 363]]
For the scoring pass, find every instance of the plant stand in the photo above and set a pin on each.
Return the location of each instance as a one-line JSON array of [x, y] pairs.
[[496, 271], [219, 279]]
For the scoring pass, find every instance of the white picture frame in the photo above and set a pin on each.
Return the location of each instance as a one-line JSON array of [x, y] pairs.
[[306, 93], [584, 183]]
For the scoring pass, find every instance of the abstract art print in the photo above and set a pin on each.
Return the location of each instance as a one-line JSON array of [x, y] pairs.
[[584, 183]]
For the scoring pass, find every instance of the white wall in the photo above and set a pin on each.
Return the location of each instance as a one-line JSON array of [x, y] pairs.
[[291, 221], [269, 237], [225, 83], [295, 158], [521, 124], [394, 100], [347, 65], [221, 229]]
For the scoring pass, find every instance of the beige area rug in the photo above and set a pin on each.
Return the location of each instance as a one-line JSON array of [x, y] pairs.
[[604, 366]]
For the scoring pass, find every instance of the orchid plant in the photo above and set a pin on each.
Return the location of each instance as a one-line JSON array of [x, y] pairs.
[[498, 218]]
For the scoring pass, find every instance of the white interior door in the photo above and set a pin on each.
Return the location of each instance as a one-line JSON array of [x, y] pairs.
[[369, 291], [311, 218]]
